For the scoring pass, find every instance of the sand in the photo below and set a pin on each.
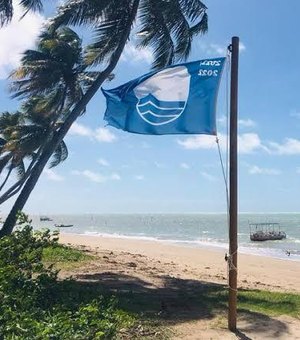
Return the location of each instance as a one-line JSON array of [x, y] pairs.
[[153, 266]]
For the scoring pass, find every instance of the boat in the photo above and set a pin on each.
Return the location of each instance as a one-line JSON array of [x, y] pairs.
[[45, 218], [266, 232], [63, 225]]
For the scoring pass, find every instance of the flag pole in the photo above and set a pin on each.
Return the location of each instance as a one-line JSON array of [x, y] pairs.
[[233, 186]]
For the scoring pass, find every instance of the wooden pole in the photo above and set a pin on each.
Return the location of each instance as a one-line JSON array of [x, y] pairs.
[[233, 186]]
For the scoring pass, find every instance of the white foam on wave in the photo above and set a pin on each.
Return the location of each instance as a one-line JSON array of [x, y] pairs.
[[250, 249]]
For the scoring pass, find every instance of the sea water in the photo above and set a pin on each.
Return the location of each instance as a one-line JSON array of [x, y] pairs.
[[194, 230]]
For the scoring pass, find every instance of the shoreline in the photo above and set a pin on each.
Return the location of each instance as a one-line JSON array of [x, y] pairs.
[[205, 263], [272, 253]]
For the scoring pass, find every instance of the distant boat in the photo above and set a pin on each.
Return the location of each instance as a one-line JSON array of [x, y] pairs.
[[45, 218], [266, 232], [63, 225]]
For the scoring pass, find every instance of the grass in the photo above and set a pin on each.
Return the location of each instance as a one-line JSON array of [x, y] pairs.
[[270, 303], [197, 301], [64, 257], [210, 298]]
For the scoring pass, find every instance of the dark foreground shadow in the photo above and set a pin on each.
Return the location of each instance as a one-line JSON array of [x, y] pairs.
[[177, 301]]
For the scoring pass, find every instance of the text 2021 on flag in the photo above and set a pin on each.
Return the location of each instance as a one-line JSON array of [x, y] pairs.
[[180, 99]]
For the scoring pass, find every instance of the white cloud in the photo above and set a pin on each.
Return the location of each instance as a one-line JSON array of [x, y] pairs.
[[105, 135], [298, 170], [208, 176], [184, 166], [96, 177], [213, 49], [103, 162], [290, 146], [53, 176], [246, 123], [242, 122], [242, 47], [81, 130], [132, 54], [198, 142], [16, 37], [115, 177], [101, 134], [139, 177], [247, 142], [255, 170]]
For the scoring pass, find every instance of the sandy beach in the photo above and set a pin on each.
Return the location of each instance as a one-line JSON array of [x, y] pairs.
[[154, 265], [203, 263]]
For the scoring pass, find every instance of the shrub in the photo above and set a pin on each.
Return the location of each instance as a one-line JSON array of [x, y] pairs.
[[36, 305]]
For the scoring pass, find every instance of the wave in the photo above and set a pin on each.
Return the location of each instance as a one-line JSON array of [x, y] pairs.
[[159, 112], [206, 243]]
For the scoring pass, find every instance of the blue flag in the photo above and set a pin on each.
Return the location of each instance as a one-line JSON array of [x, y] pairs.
[[180, 99]]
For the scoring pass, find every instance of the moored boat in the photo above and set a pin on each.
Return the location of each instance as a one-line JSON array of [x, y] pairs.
[[45, 218], [63, 225], [266, 232]]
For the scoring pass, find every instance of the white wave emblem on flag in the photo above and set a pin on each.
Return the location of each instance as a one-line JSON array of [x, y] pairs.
[[162, 98]]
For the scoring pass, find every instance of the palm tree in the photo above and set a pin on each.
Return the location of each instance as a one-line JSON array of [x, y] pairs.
[[9, 159], [167, 27], [23, 137]]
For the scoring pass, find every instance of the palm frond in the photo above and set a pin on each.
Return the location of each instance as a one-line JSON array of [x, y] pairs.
[[59, 155], [55, 63], [201, 27], [20, 169], [80, 12], [193, 9], [168, 27], [110, 31], [8, 119], [154, 33], [7, 9], [6, 12], [42, 110], [32, 5], [179, 27], [4, 160]]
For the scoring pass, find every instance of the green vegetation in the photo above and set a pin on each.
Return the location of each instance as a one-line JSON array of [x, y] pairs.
[[36, 305], [270, 303], [209, 301], [61, 253], [63, 257]]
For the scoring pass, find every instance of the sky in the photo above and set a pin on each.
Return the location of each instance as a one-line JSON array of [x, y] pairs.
[[111, 171]]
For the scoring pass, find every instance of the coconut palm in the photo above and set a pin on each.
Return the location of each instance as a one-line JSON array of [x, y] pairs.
[[23, 136], [165, 26], [8, 159], [50, 79]]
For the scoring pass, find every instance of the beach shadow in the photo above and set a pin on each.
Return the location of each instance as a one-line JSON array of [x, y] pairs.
[[179, 300], [260, 325]]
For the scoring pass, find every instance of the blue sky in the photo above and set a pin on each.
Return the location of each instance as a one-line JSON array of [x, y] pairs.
[[110, 171]]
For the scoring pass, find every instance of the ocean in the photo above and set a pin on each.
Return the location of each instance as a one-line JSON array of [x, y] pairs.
[[193, 230]]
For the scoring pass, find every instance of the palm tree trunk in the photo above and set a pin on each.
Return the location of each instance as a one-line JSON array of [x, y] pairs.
[[52, 145]]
